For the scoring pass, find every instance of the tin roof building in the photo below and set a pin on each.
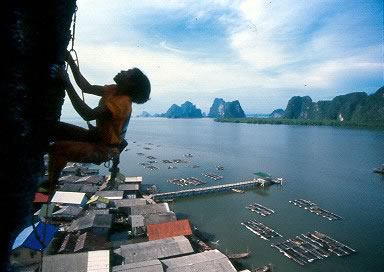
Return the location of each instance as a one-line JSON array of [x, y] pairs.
[[92, 261], [168, 229], [147, 209], [152, 250], [207, 261], [69, 198], [146, 266]]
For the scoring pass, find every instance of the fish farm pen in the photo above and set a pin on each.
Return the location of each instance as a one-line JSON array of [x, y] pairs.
[[312, 246]]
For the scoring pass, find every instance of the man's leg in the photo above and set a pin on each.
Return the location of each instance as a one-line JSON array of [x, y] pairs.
[[68, 132], [62, 152]]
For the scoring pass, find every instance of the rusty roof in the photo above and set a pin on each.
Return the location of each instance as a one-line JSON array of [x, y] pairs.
[[168, 229]]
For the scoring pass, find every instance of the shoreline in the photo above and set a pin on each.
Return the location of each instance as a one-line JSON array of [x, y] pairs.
[[302, 122]]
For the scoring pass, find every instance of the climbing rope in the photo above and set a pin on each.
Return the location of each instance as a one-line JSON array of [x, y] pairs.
[[73, 52]]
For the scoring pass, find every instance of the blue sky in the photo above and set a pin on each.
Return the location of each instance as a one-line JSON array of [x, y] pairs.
[[259, 52]]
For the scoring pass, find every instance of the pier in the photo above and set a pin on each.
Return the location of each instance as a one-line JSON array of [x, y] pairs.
[[206, 190]]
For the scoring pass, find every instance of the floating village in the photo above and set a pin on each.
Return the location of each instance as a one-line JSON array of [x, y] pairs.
[[97, 223]]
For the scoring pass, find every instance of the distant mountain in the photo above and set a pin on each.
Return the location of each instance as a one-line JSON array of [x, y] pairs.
[[355, 107], [186, 110], [144, 114], [222, 109], [278, 113]]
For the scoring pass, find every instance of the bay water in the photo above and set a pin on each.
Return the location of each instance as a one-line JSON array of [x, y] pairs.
[[326, 165]]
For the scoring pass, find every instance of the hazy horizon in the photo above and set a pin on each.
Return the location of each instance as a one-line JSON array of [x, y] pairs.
[[258, 52]]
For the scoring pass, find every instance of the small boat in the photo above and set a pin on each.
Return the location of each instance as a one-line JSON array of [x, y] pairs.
[[238, 191], [265, 268], [235, 256], [219, 167], [379, 170]]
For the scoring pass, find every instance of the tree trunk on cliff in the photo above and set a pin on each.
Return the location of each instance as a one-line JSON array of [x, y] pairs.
[[35, 35]]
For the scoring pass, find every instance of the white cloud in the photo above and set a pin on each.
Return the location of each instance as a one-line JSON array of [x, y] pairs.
[[278, 47]]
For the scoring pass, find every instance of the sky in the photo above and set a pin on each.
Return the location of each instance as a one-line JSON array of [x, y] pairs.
[[258, 52]]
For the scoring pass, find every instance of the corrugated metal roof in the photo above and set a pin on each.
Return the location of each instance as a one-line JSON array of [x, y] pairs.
[[168, 229], [40, 198], [69, 178], [68, 243], [207, 261], [98, 261], [91, 221], [137, 179], [71, 187], [147, 266], [42, 213], [147, 209], [27, 237], [136, 220], [89, 188], [69, 198], [119, 203], [93, 179], [89, 241], [157, 218], [65, 262], [152, 250], [110, 194], [68, 211], [128, 187]]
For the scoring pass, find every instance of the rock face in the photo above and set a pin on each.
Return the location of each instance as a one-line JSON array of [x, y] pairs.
[[298, 107], [217, 108], [186, 110], [222, 109], [278, 113], [357, 106]]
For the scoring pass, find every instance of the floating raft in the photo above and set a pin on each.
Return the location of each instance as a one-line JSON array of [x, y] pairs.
[[151, 167], [314, 208], [260, 209], [310, 247], [212, 176], [186, 181], [261, 230]]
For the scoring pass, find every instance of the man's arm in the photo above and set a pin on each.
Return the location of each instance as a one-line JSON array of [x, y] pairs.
[[81, 81], [86, 112]]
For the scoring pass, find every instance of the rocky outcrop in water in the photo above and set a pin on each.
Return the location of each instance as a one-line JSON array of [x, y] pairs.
[[222, 109], [278, 113], [186, 110], [357, 107]]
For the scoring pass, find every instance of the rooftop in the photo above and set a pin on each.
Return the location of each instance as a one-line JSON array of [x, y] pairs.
[[69, 198], [146, 266], [147, 209], [208, 261], [112, 195], [153, 250], [27, 237], [168, 229], [120, 203], [92, 261]]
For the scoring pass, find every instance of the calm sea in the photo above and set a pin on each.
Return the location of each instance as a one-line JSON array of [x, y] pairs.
[[329, 166]]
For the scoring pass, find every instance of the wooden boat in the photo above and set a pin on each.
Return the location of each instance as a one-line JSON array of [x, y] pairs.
[[235, 256], [238, 191], [379, 170], [265, 268]]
